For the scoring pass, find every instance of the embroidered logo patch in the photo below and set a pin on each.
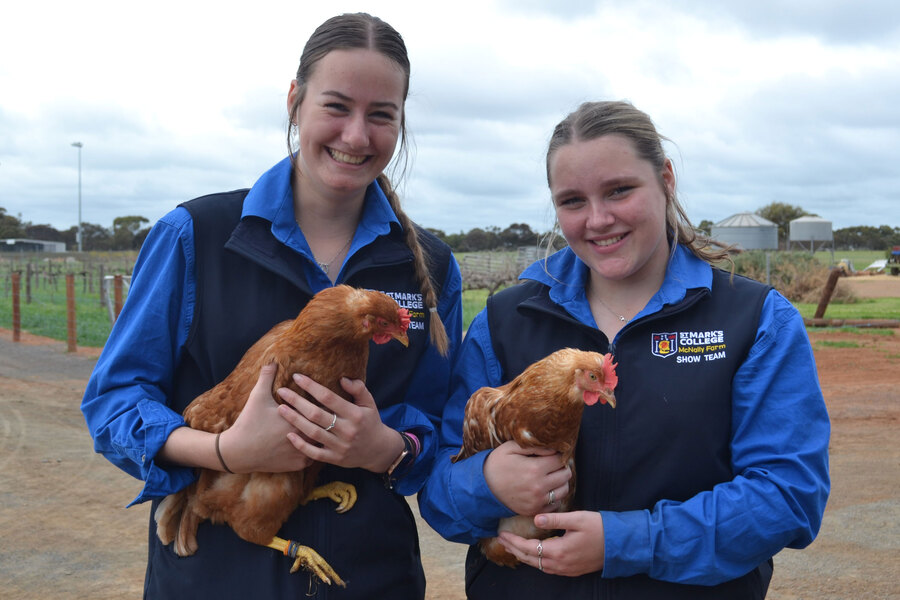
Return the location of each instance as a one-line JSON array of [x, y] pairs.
[[414, 304], [664, 344], [689, 346]]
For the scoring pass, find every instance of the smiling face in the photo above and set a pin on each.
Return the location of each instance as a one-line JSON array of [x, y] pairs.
[[611, 207], [348, 122]]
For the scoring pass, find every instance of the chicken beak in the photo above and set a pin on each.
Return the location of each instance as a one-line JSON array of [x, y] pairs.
[[401, 337], [610, 397]]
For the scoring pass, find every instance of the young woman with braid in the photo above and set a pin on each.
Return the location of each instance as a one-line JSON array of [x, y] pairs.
[[217, 272]]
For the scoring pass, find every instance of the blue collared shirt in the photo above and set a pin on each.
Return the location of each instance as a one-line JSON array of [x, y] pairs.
[[125, 402]]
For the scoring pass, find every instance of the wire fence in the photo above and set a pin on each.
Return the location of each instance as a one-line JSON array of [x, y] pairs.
[[494, 270], [47, 294], [78, 296]]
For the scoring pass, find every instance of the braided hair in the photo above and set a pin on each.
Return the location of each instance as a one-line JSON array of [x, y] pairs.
[[429, 295]]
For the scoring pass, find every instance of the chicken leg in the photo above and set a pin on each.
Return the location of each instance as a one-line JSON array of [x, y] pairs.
[[308, 558], [304, 556]]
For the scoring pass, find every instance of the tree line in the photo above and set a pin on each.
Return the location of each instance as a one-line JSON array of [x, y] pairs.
[[128, 233]]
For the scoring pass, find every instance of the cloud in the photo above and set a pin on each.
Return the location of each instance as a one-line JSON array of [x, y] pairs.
[[568, 10], [834, 21], [765, 101]]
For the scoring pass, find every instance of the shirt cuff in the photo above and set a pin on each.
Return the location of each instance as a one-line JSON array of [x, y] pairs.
[[405, 418], [161, 482], [472, 496], [628, 550], [412, 481], [159, 422]]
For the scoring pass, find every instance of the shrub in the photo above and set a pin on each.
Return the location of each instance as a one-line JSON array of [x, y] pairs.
[[799, 276]]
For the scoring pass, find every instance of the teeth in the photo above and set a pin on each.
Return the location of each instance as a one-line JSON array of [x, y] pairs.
[[608, 242], [346, 158]]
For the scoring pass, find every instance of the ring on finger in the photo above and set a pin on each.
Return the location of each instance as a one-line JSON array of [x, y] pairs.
[[552, 497], [333, 422], [540, 549]]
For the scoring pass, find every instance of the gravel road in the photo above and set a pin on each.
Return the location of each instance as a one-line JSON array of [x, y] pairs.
[[66, 533]]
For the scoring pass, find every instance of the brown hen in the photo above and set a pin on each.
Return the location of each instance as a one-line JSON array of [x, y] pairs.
[[541, 407], [328, 340]]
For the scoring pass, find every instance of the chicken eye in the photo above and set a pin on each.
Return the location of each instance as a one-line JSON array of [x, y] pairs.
[[382, 323], [593, 376]]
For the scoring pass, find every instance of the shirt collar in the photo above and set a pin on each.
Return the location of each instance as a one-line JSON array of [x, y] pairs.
[[271, 198], [566, 275]]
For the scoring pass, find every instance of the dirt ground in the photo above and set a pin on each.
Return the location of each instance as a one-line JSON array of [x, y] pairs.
[[65, 531], [880, 285]]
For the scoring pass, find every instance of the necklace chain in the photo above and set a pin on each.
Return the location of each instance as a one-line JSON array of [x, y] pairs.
[[326, 265], [617, 315]]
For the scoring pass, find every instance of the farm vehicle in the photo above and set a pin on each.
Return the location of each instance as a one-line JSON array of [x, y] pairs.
[[893, 260]]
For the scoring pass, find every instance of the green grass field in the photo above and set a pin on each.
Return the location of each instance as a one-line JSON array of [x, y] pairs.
[[859, 258], [46, 315], [473, 302], [48, 318], [866, 308]]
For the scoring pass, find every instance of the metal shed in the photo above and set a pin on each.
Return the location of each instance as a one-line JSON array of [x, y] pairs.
[[25, 245], [747, 231]]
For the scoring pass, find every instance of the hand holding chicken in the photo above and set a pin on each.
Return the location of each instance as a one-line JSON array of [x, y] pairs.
[[328, 342], [357, 439], [541, 408]]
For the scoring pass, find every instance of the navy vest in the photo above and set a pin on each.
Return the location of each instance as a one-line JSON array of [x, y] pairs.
[[247, 282], [668, 437]]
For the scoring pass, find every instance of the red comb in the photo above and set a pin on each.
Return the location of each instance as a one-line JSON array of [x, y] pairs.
[[404, 318], [609, 372]]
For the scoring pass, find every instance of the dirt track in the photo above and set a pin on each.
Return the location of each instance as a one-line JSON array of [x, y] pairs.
[[873, 286], [65, 532]]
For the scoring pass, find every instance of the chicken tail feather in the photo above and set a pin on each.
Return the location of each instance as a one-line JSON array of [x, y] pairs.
[[176, 522], [495, 552], [168, 516], [186, 539]]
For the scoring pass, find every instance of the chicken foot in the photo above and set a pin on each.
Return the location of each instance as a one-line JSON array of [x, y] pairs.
[[342, 493], [304, 556], [307, 558]]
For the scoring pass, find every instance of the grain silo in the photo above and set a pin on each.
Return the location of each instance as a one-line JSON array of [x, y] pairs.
[[811, 232], [747, 231]]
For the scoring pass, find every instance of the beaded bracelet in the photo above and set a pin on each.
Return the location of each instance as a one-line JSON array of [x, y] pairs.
[[417, 446]]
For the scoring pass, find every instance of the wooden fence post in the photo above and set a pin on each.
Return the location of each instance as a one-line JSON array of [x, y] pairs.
[[16, 313], [118, 295], [102, 286], [827, 291], [28, 283], [71, 325]]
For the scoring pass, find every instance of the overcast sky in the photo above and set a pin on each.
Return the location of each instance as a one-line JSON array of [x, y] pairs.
[[794, 101]]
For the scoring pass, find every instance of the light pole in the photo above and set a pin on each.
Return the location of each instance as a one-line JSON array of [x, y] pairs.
[[79, 145]]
